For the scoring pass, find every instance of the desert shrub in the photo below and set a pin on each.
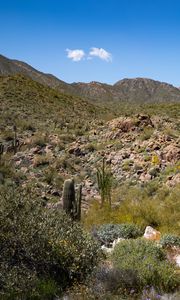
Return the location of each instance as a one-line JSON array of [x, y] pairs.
[[152, 205], [149, 262], [169, 240], [146, 134], [50, 174], [41, 250], [40, 139], [152, 294], [113, 281], [97, 215], [149, 204], [155, 160], [67, 138], [90, 147], [42, 160], [6, 168], [107, 233], [130, 208]]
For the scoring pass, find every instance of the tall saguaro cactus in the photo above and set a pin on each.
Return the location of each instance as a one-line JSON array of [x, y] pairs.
[[1, 150], [78, 203], [15, 142], [68, 196], [71, 202]]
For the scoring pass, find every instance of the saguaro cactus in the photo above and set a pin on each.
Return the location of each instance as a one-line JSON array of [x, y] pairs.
[[78, 203], [71, 203], [1, 150], [68, 196], [15, 142]]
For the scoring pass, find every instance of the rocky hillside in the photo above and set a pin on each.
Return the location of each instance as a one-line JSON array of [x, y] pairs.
[[61, 136], [140, 90]]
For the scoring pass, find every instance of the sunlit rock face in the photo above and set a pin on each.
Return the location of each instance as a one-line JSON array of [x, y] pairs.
[[152, 234]]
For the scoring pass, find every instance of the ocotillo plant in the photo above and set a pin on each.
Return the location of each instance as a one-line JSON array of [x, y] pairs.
[[71, 203], [104, 179]]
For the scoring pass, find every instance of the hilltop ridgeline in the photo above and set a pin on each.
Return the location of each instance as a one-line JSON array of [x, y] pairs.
[[131, 90]]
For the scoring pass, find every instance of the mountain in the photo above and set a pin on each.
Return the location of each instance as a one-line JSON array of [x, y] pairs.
[[146, 89], [129, 90], [12, 67], [137, 89]]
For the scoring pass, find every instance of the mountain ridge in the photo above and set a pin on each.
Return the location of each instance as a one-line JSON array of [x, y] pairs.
[[128, 89]]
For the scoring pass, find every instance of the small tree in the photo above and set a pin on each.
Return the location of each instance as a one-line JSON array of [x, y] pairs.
[[104, 179]]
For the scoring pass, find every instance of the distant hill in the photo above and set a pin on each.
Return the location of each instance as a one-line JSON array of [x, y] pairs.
[[130, 90], [138, 90]]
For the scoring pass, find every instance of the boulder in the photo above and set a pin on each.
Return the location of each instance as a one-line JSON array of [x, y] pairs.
[[145, 177], [76, 150], [177, 260], [117, 241], [144, 120], [152, 234], [108, 250], [171, 153], [173, 180]]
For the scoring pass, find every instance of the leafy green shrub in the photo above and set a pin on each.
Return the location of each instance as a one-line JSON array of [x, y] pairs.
[[107, 233], [149, 262], [169, 240], [41, 250]]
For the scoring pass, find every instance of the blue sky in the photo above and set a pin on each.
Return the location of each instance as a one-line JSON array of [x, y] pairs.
[[113, 39]]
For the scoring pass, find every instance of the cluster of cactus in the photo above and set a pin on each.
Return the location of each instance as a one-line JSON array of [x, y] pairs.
[[71, 200], [1, 150], [104, 179]]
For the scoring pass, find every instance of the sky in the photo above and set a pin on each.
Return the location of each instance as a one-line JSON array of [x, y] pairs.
[[94, 40]]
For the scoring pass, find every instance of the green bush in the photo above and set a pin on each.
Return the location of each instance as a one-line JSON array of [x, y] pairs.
[[149, 262], [169, 240], [41, 250], [107, 233]]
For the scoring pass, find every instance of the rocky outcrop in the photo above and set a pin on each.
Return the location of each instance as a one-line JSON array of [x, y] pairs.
[[152, 234]]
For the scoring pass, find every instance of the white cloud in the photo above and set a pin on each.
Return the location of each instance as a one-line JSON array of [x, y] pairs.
[[101, 53], [75, 55]]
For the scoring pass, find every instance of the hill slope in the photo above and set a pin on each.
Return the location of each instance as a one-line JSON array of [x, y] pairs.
[[24, 101], [12, 67]]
